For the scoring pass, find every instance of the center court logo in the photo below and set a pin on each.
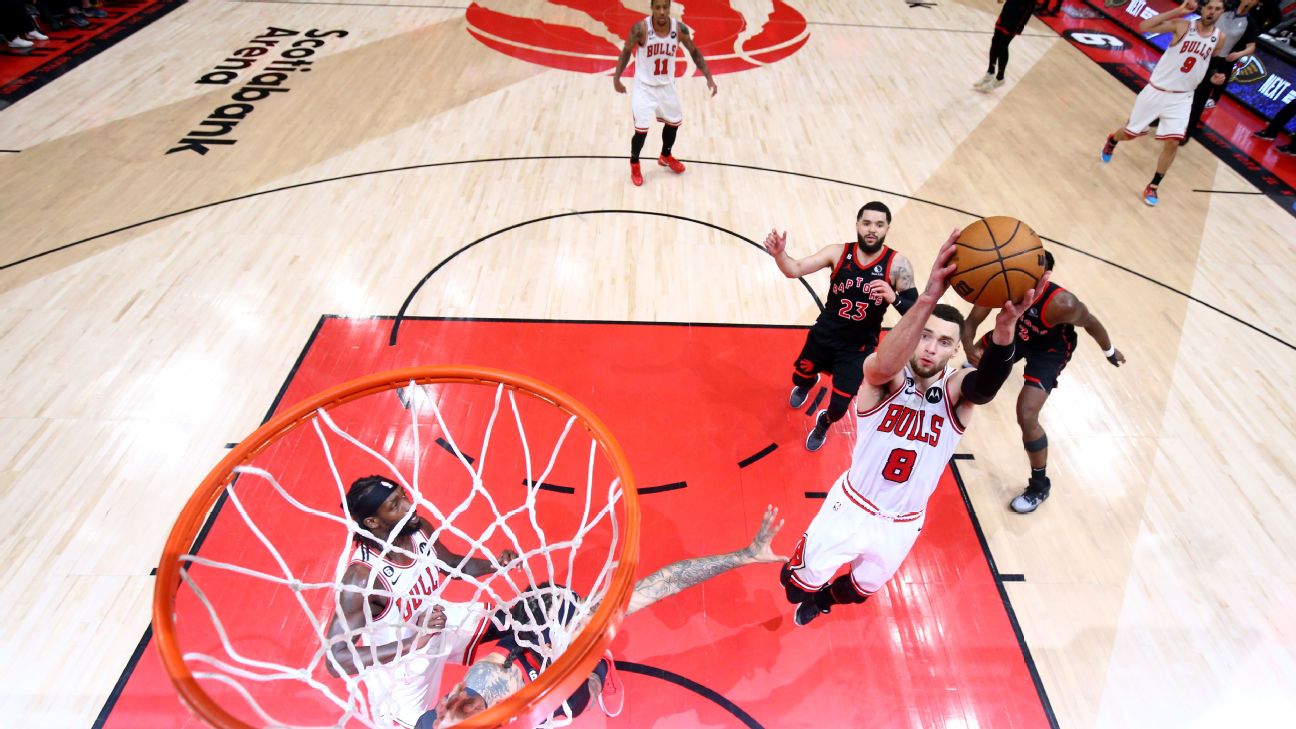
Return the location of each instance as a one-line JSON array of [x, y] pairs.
[[733, 36]]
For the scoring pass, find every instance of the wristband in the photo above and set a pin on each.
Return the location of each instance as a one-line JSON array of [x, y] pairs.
[[1109, 353]]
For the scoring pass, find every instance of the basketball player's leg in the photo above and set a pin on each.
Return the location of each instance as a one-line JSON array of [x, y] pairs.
[[830, 541], [643, 105], [1040, 377], [884, 546], [998, 60], [847, 376], [1147, 107], [813, 359], [671, 116], [1173, 127]]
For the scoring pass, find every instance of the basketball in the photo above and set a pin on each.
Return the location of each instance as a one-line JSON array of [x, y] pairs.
[[999, 259]]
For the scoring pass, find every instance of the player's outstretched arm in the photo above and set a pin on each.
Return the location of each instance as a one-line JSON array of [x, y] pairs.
[[686, 40], [632, 40], [474, 566], [968, 335], [1169, 21], [979, 386], [776, 245], [1066, 308], [898, 346], [679, 576]]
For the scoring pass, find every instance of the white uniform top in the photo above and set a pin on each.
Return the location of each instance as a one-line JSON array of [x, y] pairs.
[[411, 583], [903, 446], [655, 59], [1184, 65]]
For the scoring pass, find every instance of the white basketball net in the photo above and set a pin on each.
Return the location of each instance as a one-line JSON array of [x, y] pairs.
[[256, 682]]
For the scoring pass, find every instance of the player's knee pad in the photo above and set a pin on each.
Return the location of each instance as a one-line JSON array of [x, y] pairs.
[[837, 406], [843, 591], [1039, 444]]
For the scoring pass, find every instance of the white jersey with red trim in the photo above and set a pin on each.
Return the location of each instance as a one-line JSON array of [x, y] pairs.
[[655, 58], [1183, 66], [410, 580], [904, 443]]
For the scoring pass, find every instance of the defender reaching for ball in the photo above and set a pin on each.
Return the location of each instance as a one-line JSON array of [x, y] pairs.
[[912, 409], [1045, 338]]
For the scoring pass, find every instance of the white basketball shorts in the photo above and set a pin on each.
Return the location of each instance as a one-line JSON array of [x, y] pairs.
[[659, 102], [1172, 107]]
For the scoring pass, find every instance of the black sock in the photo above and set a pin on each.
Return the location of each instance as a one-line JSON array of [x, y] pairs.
[[1156, 179], [1038, 474], [636, 145], [668, 139]]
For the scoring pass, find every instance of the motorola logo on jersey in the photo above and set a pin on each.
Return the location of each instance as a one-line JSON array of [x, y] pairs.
[[587, 37], [934, 394]]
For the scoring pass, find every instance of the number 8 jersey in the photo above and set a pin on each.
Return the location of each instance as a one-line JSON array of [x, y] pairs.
[[903, 444]]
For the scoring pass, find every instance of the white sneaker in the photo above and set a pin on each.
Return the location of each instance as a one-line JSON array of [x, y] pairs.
[[19, 42], [994, 84], [984, 83], [36, 35]]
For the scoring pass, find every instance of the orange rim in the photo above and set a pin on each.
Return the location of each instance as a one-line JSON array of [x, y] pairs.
[[535, 701]]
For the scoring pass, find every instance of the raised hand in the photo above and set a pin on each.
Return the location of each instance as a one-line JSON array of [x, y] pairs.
[[775, 243], [506, 558], [1006, 319], [943, 267], [760, 550], [1189, 6], [433, 622]]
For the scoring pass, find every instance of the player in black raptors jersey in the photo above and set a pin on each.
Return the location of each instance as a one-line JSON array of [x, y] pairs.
[[866, 276], [1046, 338]]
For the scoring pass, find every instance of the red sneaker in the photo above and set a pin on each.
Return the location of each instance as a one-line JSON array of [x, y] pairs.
[[675, 165], [612, 698], [635, 175]]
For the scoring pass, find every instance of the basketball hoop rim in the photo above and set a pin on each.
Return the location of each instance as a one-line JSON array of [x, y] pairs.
[[535, 701]]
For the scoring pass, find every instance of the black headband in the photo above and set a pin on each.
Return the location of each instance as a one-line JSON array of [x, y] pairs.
[[366, 505]]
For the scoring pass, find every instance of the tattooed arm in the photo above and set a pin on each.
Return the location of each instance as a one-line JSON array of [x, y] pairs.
[[686, 40], [902, 280], [634, 39], [679, 576]]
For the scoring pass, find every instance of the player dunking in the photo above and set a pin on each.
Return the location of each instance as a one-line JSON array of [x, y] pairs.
[[866, 276], [1169, 93], [409, 627], [912, 410], [510, 666], [655, 41], [1045, 338]]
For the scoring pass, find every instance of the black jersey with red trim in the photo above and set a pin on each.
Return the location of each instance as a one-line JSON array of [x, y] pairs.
[[1035, 333], [852, 317]]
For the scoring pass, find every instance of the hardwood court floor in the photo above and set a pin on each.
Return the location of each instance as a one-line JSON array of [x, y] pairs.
[[1157, 586]]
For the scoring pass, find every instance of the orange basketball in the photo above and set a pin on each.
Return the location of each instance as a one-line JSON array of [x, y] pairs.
[[999, 259]]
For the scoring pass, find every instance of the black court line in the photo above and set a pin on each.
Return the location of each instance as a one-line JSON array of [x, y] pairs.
[[1012, 577], [729, 165], [1230, 192], [10, 151], [664, 487], [1003, 595], [548, 486], [395, 331], [758, 455], [928, 30], [121, 682], [450, 449], [816, 494], [368, 5], [230, 445], [707, 693], [963, 457], [818, 398]]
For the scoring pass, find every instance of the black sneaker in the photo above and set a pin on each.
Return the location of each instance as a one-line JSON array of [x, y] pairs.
[[1030, 499], [806, 612], [799, 394], [819, 433], [1266, 135], [1287, 149]]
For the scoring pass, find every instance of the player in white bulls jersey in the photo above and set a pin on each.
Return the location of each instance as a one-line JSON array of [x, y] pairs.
[[912, 409], [399, 641], [1169, 94], [655, 40]]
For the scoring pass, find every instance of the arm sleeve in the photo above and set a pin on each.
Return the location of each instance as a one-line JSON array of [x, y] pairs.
[[905, 299], [983, 383]]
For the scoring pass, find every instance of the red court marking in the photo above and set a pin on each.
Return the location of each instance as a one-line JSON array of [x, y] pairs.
[[935, 646], [716, 27]]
